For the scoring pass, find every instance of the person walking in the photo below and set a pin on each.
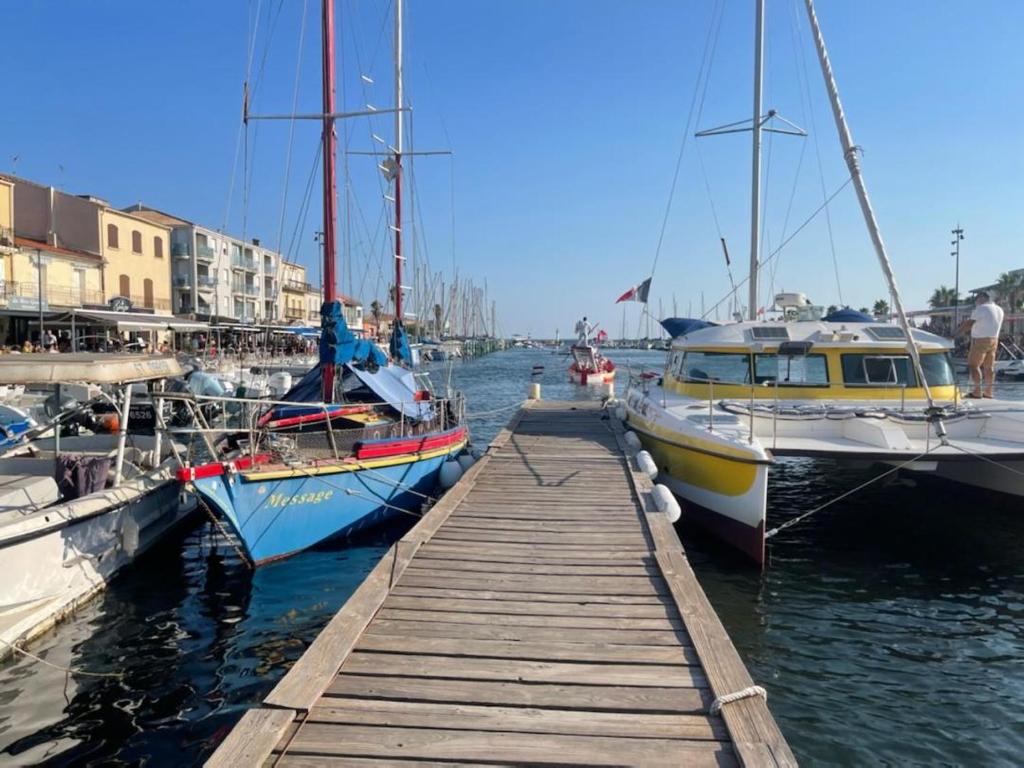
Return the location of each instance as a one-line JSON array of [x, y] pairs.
[[985, 323]]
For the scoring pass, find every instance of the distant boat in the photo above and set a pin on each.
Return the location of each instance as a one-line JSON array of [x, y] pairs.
[[589, 367]]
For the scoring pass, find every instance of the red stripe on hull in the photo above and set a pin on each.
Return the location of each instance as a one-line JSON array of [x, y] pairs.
[[408, 445]]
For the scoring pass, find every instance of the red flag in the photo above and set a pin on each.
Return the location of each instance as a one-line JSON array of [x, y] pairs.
[[637, 292], [601, 335]]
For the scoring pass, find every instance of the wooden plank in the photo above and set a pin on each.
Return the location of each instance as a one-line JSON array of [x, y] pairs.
[[639, 577], [440, 744], [252, 739], [526, 634], [440, 550], [417, 714], [610, 653], [501, 595], [608, 568], [529, 620], [613, 698], [579, 538], [533, 608], [622, 585], [519, 670]]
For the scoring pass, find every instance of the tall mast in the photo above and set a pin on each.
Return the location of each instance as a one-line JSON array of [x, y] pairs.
[[329, 184], [853, 164], [755, 184], [399, 95]]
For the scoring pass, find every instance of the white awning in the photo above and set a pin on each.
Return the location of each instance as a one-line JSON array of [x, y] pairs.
[[177, 324], [56, 367], [132, 321]]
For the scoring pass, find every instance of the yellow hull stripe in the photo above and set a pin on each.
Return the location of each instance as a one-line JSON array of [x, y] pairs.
[[354, 466], [716, 474]]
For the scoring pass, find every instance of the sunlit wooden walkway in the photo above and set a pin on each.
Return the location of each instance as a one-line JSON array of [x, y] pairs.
[[543, 612]]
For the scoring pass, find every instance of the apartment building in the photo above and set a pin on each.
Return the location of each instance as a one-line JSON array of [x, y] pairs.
[[136, 259], [216, 276]]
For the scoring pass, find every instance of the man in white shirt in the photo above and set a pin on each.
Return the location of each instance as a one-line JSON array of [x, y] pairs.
[[984, 323]]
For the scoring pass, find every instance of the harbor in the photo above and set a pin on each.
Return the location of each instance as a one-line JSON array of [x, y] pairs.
[[380, 385]]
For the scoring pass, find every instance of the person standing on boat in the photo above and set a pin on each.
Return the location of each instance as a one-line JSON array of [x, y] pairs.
[[984, 324], [583, 329]]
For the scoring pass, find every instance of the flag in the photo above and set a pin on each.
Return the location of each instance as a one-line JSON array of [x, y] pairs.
[[637, 292], [601, 336]]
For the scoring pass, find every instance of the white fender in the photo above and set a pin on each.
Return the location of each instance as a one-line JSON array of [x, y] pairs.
[[667, 503], [645, 463], [129, 533], [620, 412], [449, 474], [466, 461], [632, 442]]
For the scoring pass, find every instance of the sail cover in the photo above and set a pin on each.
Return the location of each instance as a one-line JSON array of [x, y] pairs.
[[680, 326], [396, 387]]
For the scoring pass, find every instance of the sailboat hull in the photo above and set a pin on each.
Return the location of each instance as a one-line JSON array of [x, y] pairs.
[[278, 512]]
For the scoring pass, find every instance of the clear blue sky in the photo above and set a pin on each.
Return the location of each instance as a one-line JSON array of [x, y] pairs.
[[565, 118]]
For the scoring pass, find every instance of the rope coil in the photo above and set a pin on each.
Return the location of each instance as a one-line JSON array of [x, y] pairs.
[[729, 698]]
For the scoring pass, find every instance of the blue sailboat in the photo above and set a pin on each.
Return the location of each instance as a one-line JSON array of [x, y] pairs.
[[360, 437]]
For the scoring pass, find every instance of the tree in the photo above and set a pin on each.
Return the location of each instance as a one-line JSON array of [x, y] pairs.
[[864, 311], [1009, 288], [943, 297], [831, 308], [881, 309]]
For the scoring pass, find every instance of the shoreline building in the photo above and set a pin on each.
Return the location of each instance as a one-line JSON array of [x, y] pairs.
[[216, 277]]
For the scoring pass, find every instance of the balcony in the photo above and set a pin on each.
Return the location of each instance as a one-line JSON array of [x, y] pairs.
[[293, 313], [182, 281], [243, 262], [243, 289], [204, 253], [295, 286], [252, 290], [269, 268], [181, 250], [26, 295], [206, 282]]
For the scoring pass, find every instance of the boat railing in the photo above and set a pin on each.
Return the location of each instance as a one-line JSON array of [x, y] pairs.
[[243, 414]]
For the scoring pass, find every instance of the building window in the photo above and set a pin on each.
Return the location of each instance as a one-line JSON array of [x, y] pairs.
[[158, 247], [125, 286], [136, 241], [112, 236], [147, 293]]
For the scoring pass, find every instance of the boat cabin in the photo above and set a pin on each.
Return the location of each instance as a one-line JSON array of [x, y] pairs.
[[808, 360]]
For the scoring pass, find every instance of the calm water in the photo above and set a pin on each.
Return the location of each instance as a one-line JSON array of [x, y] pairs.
[[889, 629]]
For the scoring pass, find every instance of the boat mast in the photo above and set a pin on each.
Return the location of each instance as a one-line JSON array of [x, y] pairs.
[[850, 153], [399, 94], [329, 184], [755, 184]]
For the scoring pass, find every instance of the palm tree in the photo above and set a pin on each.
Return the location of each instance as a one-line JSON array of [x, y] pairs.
[[943, 297], [1009, 287], [881, 309], [375, 312], [438, 314], [864, 311]]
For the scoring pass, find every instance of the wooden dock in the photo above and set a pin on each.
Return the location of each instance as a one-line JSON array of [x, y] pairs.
[[543, 612]]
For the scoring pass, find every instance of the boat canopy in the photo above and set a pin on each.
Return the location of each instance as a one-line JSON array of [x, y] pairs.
[[55, 368], [847, 315], [680, 326]]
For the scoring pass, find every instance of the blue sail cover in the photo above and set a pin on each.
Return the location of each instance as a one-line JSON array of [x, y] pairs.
[[338, 346], [400, 349], [680, 326]]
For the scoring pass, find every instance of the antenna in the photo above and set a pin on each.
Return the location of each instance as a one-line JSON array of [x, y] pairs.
[[958, 235]]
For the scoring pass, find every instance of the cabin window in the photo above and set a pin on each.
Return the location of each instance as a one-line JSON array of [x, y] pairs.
[[938, 370], [112, 236], [878, 370], [158, 247], [136, 241], [725, 367], [797, 371]]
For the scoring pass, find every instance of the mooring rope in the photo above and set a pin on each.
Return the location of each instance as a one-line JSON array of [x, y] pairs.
[[65, 670], [793, 521], [496, 411], [729, 698]]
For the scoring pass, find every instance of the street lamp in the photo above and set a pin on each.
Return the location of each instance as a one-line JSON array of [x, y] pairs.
[[958, 235]]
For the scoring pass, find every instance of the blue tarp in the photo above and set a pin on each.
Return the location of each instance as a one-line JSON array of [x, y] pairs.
[[847, 315], [337, 344], [400, 351], [680, 326]]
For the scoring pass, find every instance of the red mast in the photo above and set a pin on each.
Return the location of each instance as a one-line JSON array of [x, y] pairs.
[[399, 98], [330, 187]]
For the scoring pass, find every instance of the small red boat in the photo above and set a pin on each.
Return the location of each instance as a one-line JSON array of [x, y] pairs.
[[589, 366]]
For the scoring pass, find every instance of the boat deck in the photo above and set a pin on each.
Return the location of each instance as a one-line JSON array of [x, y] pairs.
[[543, 612]]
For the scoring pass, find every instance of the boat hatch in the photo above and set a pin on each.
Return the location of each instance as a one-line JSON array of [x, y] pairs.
[[769, 333], [886, 332]]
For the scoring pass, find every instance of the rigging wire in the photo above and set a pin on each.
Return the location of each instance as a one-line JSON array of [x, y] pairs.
[[777, 251], [805, 93], [291, 129], [710, 42]]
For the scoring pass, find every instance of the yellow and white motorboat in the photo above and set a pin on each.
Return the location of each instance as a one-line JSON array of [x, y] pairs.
[[735, 397]]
